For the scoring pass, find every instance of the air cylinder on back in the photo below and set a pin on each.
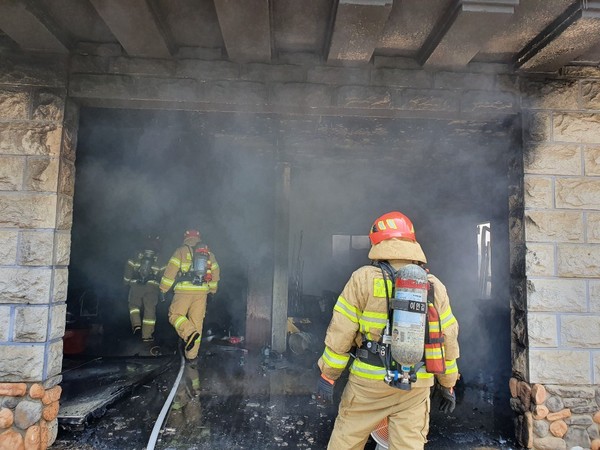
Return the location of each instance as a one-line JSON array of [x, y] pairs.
[[409, 307]]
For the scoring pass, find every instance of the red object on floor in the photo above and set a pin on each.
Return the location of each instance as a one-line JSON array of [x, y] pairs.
[[235, 339], [74, 341]]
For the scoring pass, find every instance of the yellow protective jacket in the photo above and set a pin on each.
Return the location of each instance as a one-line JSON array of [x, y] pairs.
[[361, 309], [180, 262], [131, 274]]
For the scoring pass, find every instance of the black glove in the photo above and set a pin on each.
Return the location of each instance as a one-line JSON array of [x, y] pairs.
[[447, 399], [163, 297], [325, 390]]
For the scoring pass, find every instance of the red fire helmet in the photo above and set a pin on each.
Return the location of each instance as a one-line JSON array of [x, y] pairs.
[[191, 233], [392, 225]]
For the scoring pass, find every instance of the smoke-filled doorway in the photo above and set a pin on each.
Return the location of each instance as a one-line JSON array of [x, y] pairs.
[[449, 177], [142, 172], [146, 173]]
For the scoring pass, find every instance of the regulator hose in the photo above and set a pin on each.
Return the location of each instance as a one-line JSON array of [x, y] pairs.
[[166, 406]]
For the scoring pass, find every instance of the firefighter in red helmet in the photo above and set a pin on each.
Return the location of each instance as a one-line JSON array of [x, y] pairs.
[[192, 273], [142, 275], [399, 319]]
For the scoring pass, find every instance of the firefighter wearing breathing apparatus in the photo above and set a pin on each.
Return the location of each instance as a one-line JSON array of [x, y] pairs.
[[398, 318], [192, 273], [142, 275]]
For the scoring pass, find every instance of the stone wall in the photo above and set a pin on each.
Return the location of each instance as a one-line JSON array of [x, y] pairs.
[[560, 226], [37, 153]]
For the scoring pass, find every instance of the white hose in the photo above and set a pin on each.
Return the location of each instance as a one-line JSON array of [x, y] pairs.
[[165, 408]]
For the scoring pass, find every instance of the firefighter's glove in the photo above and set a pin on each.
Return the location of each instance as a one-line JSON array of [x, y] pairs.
[[325, 390], [163, 297], [447, 399]]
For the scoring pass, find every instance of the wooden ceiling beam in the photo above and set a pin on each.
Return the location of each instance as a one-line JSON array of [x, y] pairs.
[[463, 30], [134, 25], [571, 35], [31, 27], [246, 29], [357, 29]]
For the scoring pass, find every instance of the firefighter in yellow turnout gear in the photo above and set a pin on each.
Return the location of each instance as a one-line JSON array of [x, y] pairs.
[[361, 315], [142, 276], [192, 273]]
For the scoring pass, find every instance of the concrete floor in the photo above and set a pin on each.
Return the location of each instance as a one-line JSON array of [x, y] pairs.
[[248, 402]]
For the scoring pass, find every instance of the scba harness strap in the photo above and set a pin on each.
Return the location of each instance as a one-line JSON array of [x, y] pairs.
[[194, 274], [378, 353], [145, 271], [372, 352]]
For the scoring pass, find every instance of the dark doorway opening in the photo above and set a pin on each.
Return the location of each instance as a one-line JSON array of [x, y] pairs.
[[141, 173]]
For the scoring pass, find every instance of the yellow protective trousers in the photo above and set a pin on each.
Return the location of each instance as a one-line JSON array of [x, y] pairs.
[[142, 300], [365, 403], [186, 314]]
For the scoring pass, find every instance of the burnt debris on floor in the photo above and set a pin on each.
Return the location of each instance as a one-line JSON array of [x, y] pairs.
[[91, 386], [247, 401], [233, 398], [125, 423], [250, 401]]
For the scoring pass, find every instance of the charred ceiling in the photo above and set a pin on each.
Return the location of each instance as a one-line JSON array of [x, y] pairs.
[[534, 35]]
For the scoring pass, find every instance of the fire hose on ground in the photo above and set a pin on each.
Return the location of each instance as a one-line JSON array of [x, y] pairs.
[[165, 409]]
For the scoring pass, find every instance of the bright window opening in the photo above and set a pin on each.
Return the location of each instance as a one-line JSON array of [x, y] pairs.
[[484, 259]]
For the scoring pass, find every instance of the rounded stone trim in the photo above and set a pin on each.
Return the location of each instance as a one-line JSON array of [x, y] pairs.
[[544, 423], [28, 416]]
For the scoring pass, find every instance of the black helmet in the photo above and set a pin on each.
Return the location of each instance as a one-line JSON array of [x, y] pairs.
[[152, 242]]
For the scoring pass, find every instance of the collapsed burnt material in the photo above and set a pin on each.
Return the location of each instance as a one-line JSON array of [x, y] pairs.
[[90, 387]]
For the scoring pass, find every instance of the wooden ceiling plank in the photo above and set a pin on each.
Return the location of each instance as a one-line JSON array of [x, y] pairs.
[[134, 25]]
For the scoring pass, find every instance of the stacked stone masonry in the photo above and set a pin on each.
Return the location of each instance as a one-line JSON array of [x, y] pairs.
[[562, 213], [38, 128], [28, 416], [556, 417], [561, 320]]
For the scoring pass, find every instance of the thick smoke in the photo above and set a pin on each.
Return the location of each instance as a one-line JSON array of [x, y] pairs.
[[141, 173], [148, 172]]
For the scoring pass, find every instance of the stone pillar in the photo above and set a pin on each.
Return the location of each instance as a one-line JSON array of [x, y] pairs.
[[37, 153], [558, 398]]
